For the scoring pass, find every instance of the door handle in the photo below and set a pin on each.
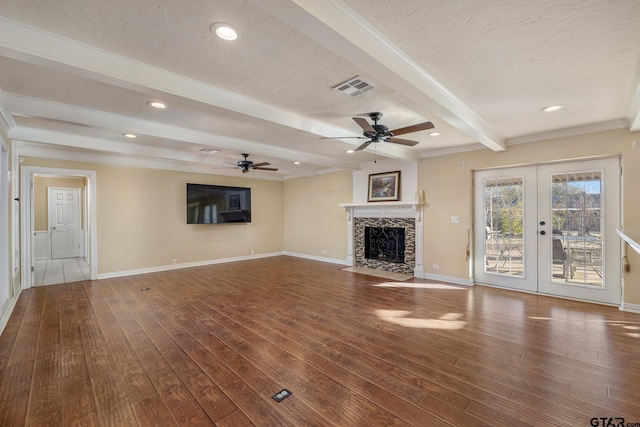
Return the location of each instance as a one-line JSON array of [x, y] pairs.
[[542, 232], [53, 228]]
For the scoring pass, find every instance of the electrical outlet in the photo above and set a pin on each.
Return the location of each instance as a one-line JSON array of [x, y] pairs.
[[253, 251], [324, 252], [455, 220], [175, 261], [435, 266]]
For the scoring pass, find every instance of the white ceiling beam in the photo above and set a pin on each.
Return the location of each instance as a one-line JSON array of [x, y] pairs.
[[634, 111], [104, 145], [162, 156], [333, 24], [35, 149], [20, 105], [35, 46]]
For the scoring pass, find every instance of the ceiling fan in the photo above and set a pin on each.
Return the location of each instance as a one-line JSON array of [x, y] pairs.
[[377, 133], [246, 165]]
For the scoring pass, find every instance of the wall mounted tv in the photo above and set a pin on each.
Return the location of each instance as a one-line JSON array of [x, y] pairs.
[[217, 204]]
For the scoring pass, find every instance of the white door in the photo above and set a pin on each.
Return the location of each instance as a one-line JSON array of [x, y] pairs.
[[505, 223], [550, 229], [64, 222], [578, 213]]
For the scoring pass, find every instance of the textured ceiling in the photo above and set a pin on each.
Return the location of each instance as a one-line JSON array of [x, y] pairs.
[[78, 74]]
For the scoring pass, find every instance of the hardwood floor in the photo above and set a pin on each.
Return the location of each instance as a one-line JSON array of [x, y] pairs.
[[211, 345]]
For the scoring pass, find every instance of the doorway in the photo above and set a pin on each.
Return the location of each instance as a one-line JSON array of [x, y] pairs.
[[29, 231], [550, 229]]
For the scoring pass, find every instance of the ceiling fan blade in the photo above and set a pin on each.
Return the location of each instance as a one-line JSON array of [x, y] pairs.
[[404, 141], [363, 146], [265, 169], [413, 128], [364, 124], [342, 137], [257, 165]]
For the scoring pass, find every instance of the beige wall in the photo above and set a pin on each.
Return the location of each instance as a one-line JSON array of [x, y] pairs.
[[314, 221], [449, 191], [142, 218], [40, 197]]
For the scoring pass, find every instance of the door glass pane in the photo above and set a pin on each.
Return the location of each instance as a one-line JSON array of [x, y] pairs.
[[504, 219], [577, 228]]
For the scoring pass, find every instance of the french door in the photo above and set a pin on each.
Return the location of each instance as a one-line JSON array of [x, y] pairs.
[[550, 229]]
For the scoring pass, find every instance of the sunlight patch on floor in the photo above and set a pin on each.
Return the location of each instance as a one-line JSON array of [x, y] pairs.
[[418, 285], [449, 321]]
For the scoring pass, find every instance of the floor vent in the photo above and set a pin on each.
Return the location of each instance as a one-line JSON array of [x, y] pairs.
[[354, 87]]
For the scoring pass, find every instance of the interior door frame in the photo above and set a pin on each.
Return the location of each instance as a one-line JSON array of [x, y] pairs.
[[5, 273], [27, 217]]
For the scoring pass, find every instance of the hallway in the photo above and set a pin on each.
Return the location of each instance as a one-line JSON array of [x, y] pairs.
[[65, 270]]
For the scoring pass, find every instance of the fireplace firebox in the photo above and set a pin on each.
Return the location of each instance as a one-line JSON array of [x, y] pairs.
[[384, 244]]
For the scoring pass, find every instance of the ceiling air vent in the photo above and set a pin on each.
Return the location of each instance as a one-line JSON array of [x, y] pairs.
[[354, 87], [208, 150]]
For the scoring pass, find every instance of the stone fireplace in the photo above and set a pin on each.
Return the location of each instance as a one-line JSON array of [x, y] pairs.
[[385, 236]]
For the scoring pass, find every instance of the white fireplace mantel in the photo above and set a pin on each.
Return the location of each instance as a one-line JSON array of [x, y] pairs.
[[400, 209]]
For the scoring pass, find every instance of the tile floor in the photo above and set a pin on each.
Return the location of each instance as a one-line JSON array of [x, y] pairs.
[[54, 271]]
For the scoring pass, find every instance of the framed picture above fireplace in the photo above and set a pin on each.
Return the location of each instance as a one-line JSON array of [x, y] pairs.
[[384, 187]]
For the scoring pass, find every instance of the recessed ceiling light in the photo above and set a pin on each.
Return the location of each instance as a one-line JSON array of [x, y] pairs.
[[296, 163], [551, 108], [224, 31], [434, 134], [350, 151], [157, 104], [129, 135]]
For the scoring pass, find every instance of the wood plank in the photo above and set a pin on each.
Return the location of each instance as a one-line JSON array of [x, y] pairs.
[[153, 412], [200, 419], [113, 408], [45, 396], [78, 405], [173, 392], [237, 419]]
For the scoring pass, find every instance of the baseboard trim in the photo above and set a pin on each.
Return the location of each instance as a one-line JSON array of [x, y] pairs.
[[448, 279], [8, 310], [318, 258], [632, 308], [160, 268]]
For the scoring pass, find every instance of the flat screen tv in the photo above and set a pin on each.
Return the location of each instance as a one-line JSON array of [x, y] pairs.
[[217, 204]]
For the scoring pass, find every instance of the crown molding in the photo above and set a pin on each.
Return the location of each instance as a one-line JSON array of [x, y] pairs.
[[572, 131]]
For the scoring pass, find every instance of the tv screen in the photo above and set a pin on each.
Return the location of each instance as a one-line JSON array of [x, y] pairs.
[[217, 204]]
